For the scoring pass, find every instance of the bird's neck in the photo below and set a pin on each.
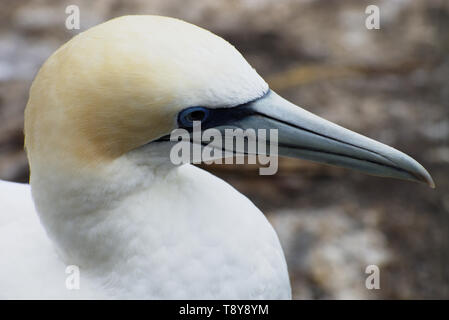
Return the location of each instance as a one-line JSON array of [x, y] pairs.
[[92, 215]]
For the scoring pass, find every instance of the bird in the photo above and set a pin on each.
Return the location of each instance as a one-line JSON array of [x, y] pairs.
[[104, 196]]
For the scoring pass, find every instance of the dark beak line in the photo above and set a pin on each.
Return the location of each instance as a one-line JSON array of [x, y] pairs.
[[353, 157], [393, 166]]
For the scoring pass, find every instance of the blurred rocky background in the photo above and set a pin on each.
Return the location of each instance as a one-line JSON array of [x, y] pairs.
[[391, 84]]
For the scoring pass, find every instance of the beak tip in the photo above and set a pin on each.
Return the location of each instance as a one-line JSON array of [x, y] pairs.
[[426, 178], [430, 183]]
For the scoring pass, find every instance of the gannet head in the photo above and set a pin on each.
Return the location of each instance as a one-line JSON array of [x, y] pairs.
[[123, 85]]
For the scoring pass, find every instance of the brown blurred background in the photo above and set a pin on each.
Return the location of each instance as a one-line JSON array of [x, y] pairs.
[[391, 84]]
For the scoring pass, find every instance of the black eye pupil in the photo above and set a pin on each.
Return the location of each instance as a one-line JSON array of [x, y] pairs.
[[196, 115], [188, 116]]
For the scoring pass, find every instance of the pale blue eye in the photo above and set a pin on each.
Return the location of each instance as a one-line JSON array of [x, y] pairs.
[[187, 116]]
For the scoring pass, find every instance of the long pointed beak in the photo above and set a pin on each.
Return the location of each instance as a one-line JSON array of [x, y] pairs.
[[304, 135]]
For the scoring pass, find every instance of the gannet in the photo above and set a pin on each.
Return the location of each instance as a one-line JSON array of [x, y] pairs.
[[105, 196]]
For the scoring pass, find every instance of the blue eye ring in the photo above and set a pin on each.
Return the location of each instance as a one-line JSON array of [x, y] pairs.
[[187, 116]]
